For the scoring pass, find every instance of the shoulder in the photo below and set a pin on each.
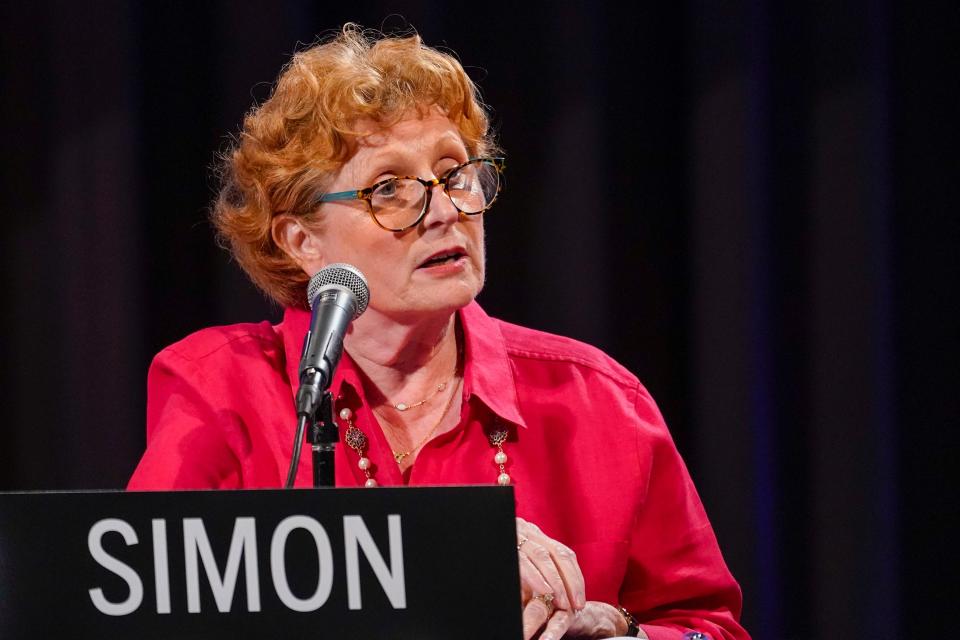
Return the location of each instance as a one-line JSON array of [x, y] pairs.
[[229, 364], [573, 367], [227, 341], [523, 343]]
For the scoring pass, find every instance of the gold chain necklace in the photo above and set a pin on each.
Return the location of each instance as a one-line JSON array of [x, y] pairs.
[[357, 440], [400, 406], [400, 455], [403, 406]]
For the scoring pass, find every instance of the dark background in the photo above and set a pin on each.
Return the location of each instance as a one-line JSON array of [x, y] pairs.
[[751, 206]]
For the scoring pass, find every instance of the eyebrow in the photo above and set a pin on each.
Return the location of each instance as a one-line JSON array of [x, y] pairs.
[[392, 158]]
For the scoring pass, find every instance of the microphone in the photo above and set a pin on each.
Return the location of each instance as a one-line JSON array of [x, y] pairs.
[[338, 294]]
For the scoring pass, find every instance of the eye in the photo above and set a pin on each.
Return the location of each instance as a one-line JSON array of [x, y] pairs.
[[388, 190], [458, 180]]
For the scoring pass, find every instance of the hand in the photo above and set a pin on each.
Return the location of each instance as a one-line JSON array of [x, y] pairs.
[[551, 583], [596, 620]]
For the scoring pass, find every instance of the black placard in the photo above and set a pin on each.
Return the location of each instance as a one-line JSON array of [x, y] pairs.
[[459, 575]]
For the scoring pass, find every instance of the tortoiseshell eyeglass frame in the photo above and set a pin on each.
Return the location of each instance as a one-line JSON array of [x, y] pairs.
[[498, 163]]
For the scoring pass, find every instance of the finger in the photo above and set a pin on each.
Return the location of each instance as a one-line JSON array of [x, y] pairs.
[[544, 561], [531, 580], [557, 625], [589, 619], [569, 589], [566, 561], [535, 614]]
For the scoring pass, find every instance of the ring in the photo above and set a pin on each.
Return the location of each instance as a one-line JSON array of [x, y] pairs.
[[546, 599], [521, 543]]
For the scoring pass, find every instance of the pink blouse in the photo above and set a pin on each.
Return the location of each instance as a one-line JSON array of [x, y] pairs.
[[588, 453]]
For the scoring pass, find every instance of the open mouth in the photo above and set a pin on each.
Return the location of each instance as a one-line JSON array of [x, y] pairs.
[[446, 257]]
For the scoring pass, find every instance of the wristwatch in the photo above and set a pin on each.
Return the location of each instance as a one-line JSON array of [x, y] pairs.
[[633, 629]]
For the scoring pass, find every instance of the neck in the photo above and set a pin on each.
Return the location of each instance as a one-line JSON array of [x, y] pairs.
[[402, 362]]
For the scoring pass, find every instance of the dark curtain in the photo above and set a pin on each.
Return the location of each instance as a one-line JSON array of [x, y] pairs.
[[751, 205]]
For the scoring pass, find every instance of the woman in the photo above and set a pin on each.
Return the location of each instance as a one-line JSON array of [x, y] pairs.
[[376, 152]]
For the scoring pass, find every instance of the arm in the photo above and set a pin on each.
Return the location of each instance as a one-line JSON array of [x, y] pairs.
[[187, 446], [676, 578]]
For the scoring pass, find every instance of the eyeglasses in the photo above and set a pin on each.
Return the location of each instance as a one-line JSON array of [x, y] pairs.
[[397, 204]]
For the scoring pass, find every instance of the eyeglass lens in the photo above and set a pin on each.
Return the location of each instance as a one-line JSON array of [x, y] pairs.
[[472, 188]]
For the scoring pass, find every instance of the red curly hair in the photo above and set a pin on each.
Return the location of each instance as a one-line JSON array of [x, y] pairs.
[[292, 145]]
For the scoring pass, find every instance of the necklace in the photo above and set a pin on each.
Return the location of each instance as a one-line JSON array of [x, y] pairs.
[[403, 406], [357, 440], [400, 455]]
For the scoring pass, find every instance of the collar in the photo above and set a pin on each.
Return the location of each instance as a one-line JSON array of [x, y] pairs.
[[487, 372]]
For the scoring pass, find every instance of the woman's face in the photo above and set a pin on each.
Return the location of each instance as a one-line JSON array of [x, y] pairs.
[[403, 285]]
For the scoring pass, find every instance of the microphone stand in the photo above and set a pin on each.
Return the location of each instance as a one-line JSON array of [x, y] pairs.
[[324, 436]]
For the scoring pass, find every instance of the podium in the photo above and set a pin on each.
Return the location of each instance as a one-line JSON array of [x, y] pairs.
[[399, 563]]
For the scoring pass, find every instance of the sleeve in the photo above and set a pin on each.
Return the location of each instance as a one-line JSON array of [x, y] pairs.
[[676, 579], [187, 447]]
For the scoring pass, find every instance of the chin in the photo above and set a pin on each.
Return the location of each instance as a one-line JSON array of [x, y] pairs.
[[442, 300], [453, 301]]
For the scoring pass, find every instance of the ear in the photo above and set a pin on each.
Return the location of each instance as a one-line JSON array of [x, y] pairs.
[[299, 241]]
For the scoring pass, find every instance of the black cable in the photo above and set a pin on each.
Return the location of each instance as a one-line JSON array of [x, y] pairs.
[[297, 445]]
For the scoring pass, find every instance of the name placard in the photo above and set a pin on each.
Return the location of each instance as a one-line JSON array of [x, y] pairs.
[[395, 563]]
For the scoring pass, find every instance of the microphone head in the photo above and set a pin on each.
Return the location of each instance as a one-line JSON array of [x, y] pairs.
[[342, 275]]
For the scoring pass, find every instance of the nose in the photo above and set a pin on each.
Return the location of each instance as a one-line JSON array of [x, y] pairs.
[[440, 208]]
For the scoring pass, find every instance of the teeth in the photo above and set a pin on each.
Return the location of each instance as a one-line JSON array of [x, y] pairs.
[[441, 257]]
